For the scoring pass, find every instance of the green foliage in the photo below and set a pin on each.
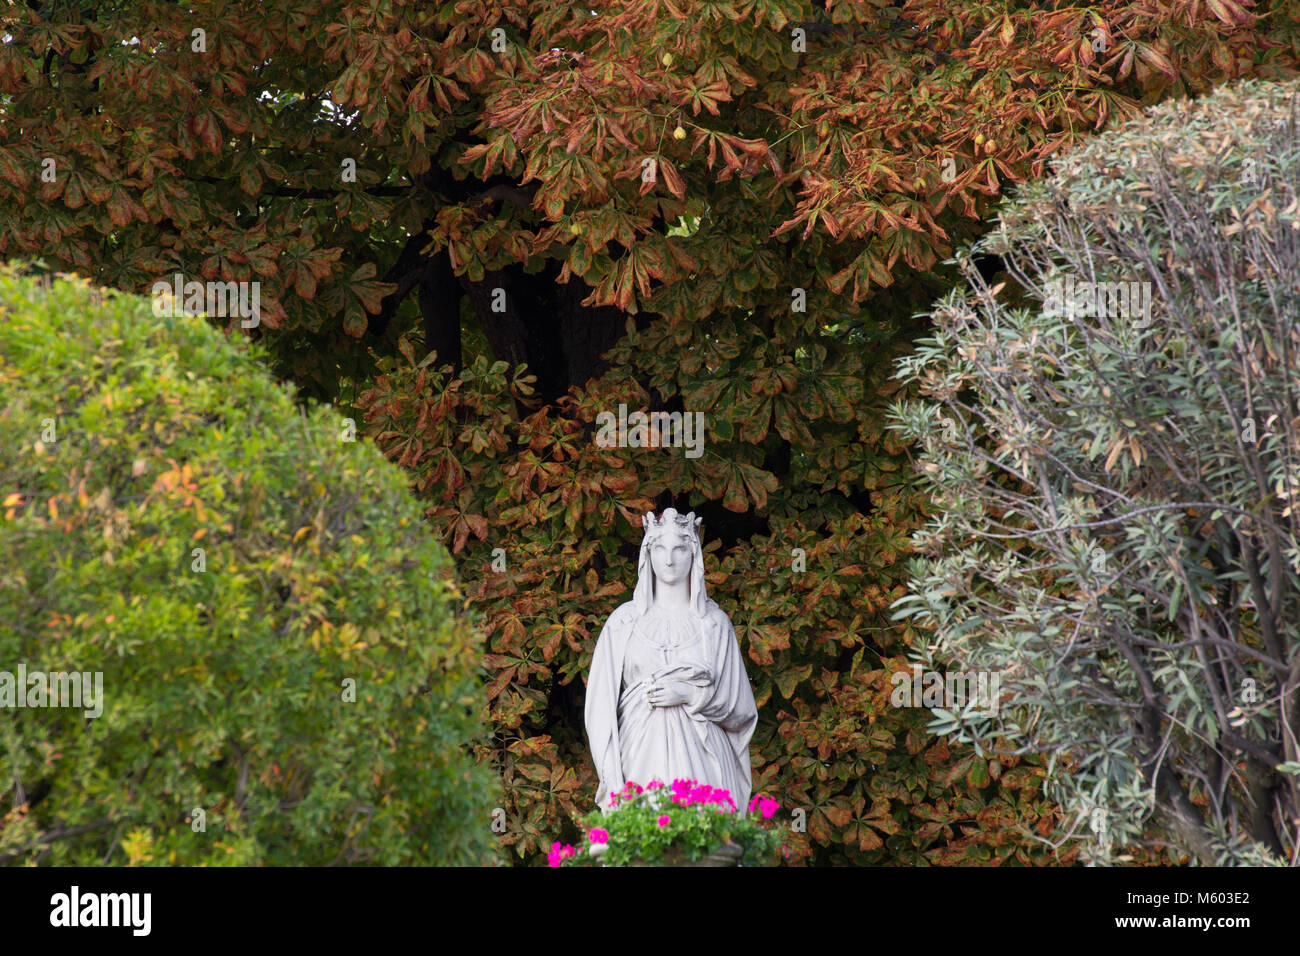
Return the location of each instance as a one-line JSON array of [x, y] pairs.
[[1120, 533], [223, 688]]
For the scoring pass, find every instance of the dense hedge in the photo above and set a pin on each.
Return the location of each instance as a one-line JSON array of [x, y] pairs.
[[223, 688]]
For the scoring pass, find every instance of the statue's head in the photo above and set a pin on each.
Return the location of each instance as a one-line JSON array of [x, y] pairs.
[[672, 545], [670, 552]]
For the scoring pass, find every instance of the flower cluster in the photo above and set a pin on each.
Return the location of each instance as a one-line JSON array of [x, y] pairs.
[[684, 793], [687, 792], [682, 820], [631, 791], [559, 854]]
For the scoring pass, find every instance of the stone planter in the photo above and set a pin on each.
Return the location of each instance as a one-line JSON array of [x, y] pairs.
[[728, 854]]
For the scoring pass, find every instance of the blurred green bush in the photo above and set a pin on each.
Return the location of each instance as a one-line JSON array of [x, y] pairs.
[[277, 631]]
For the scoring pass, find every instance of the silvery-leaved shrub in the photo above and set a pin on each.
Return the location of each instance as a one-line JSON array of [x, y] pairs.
[[1112, 441], [284, 676]]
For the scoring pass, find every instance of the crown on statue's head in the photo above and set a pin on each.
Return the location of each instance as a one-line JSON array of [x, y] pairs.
[[684, 524]]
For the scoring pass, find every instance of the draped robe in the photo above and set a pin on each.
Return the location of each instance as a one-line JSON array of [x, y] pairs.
[[707, 741]]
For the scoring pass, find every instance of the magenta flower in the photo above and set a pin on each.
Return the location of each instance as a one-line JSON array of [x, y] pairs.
[[559, 854], [682, 787], [664, 820], [767, 806], [713, 795], [597, 835]]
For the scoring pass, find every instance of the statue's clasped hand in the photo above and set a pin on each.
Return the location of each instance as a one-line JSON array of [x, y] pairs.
[[665, 692], [670, 693]]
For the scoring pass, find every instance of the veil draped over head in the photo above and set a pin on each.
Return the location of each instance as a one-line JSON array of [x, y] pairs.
[[707, 739], [689, 525]]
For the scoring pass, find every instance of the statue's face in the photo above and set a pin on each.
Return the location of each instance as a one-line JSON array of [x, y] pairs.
[[670, 557]]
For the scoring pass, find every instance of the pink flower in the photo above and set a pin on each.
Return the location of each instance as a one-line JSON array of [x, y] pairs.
[[753, 803], [712, 795], [767, 807], [559, 854], [664, 820], [554, 857], [597, 835]]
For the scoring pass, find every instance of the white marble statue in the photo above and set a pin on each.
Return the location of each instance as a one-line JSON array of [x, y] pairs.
[[668, 697]]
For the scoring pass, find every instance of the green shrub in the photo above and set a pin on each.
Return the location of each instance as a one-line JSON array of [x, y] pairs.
[[231, 565], [1119, 533]]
